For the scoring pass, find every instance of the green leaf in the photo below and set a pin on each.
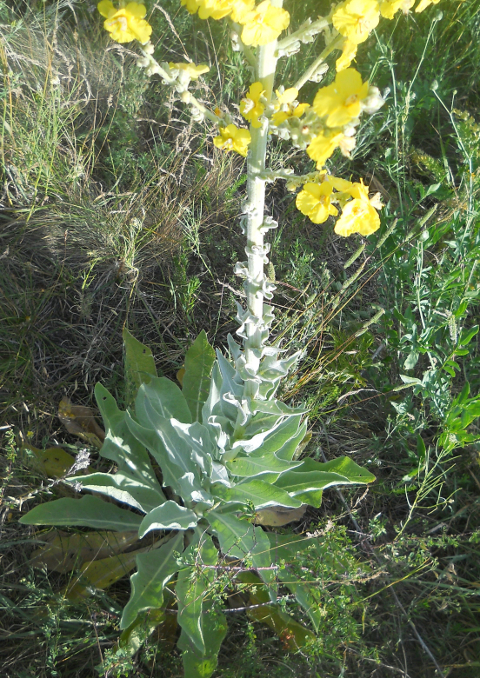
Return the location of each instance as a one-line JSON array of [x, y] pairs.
[[467, 335], [139, 364], [306, 482], [120, 446], [248, 467], [196, 380], [259, 493], [123, 488], [192, 586], [172, 452], [165, 398], [87, 512], [168, 516], [240, 539], [155, 569], [202, 665]]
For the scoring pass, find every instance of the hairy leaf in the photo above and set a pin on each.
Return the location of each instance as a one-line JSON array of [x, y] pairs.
[[88, 512], [155, 569], [259, 493], [192, 586], [196, 380], [123, 488], [168, 516], [139, 364]]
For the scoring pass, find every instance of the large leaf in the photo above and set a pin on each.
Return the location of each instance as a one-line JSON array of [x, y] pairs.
[[172, 452], [139, 364], [248, 467], [123, 488], [307, 481], [100, 574], [63, 552], [284, 439], [259, 493], [120, 445], [196, 380], [168, 516], [88, 512], [240, 539], [165, 398], [201, 665], [155, 569], [192, 586]]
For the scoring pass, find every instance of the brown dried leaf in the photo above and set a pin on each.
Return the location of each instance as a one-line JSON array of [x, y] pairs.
[[80, 421], [64, 551]]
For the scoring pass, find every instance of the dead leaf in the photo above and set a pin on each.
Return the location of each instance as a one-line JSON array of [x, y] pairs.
[[276, 516], [65, 551], [80, 421]]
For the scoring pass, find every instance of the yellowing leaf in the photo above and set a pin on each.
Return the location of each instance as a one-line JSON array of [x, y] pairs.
[[101, 574], [64, 551], [53, 462], [276, 516]]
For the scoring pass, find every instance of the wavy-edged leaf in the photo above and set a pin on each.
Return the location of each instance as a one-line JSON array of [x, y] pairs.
[[89, 511], [199, 361], [251, 466], [155, 569], [307, 481], [123, 488], [192, 586], [173, 456], [259, 493], [168, 516]]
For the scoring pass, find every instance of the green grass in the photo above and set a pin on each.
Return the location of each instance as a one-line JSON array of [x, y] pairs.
[[117, 212]]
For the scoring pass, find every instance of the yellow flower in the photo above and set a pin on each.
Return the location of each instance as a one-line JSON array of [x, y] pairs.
[[216, 9], [251, 107], [191, 5], [193, 71], [340, 101], [127, 23], [423, 4], [314, 201], [349, 52], [323, 146], [356, 19], [359, 215], [293, 110], [232, 138], [388, 8], [240, 8], [263, 24]]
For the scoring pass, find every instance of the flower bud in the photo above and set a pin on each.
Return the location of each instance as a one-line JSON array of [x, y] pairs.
[[373, 101]]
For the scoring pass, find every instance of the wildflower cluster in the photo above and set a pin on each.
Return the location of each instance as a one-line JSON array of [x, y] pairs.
[[320, 128]]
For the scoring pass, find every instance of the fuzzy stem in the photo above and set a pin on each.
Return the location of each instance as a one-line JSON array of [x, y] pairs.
[[266, 63]]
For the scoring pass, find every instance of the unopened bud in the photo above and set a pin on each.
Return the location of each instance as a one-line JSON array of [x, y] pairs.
[[185, 97], [149, 48], [373, 101]]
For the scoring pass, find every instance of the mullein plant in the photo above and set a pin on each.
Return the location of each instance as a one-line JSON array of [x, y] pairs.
[[211, 467]]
